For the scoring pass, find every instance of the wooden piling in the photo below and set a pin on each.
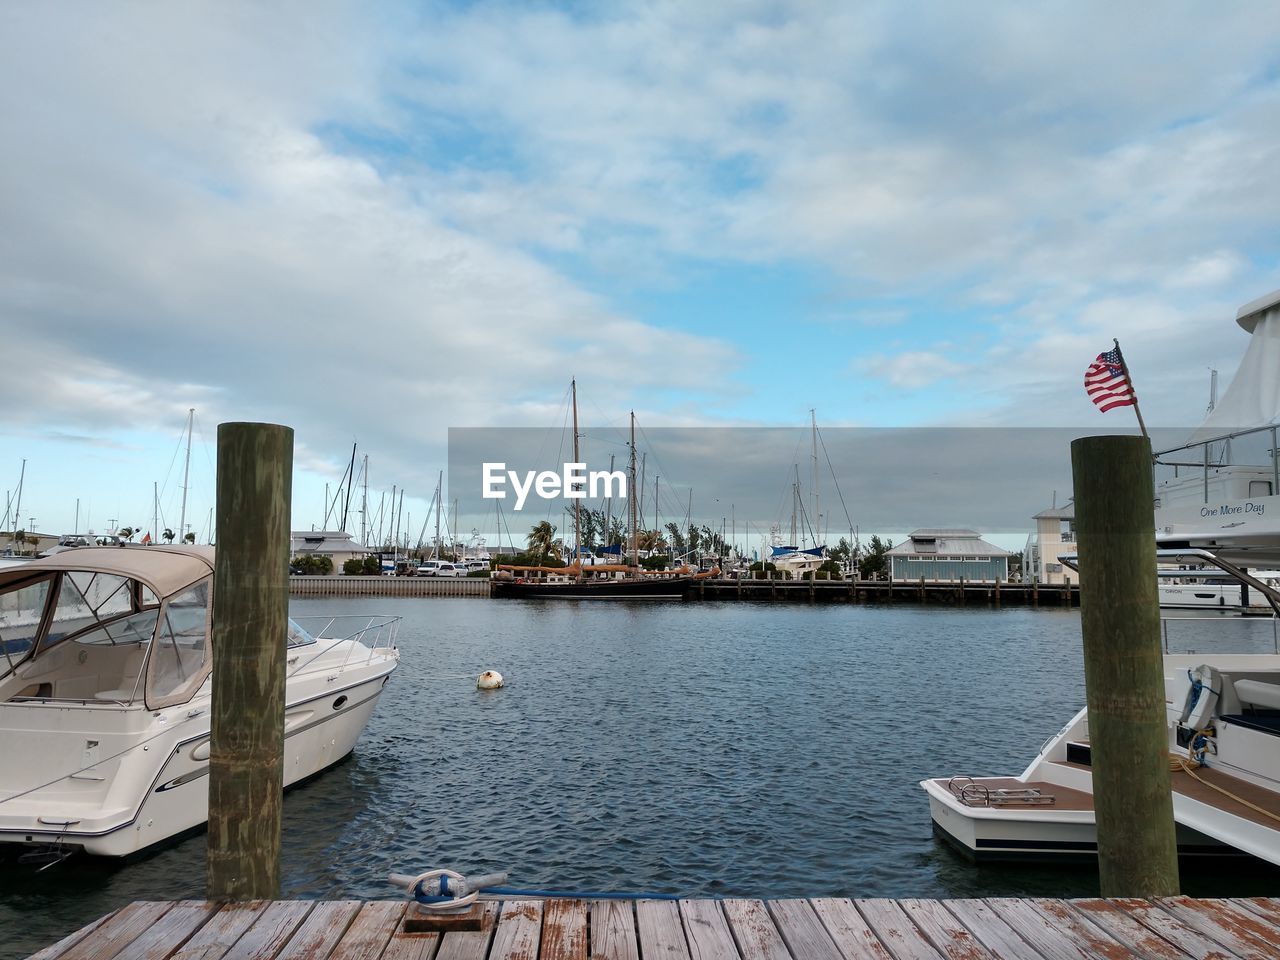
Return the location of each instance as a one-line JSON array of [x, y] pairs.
[[1124, 675], [250, 621]]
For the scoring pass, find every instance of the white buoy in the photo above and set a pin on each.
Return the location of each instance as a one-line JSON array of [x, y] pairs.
[[489, 680]]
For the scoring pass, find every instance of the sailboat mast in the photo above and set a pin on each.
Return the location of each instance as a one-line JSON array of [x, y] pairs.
[[577, 504], [435, 551], [657, 520], [633, 548], [813, 478], [364, 506], [186, 476], [608, 523], [155, 511], [17, 506]]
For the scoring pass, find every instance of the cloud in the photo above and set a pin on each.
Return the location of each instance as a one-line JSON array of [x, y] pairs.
[[375, 225], [913, 369], [211, 250]]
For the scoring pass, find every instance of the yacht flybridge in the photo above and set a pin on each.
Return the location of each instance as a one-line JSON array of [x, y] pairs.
[[105, 696], [1218, 509]]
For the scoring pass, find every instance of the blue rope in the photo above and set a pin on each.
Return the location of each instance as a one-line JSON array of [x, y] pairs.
[[554, 894], [578, 895]]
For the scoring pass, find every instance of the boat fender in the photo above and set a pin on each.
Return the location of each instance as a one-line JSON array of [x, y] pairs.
[[1202, 697], [489, 680]]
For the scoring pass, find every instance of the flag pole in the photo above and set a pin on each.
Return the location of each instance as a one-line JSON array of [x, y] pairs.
[[1125, 367]]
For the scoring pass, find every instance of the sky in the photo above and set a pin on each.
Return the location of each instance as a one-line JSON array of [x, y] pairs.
[[377, 222]]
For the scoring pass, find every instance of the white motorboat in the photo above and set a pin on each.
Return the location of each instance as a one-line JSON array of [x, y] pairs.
[[1222, 710], [105, 696], [1223, 722], [1209, 590]]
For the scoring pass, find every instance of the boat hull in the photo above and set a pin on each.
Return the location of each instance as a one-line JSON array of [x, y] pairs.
[[602, 589], [158, 802]]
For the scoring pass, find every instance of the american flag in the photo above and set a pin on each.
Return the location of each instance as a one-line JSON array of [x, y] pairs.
[[1106, 382]]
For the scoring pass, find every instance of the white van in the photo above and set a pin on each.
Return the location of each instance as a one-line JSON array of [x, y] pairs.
[[439, 568]]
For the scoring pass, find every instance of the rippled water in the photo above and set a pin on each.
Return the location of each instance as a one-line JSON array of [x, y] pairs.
[[704, 749]]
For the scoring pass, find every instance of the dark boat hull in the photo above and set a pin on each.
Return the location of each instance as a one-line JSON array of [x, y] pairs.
[[646, 589]]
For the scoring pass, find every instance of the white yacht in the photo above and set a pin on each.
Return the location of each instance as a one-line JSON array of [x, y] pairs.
[[1217, 507], [105, 696]]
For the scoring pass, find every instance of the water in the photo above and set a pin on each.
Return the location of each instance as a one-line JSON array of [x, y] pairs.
[[760, 750]]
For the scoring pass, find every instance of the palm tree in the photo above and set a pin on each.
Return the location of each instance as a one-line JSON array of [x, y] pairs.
[[126, 533], [189, 538], [649, 540], [541, 539], [168, 535]]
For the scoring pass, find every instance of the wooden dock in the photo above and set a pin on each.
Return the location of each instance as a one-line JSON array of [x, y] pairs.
[[817, 929], [359, 586], [951, 592]]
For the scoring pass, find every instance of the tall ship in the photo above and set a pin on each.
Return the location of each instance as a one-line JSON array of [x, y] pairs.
[[596, 581], [1217, 509]]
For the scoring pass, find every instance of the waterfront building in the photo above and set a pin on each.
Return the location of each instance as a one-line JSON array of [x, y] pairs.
[[337, 545], [948, 555], [1055, 536]]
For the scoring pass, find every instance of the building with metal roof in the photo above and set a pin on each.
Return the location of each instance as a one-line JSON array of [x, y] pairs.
[[948, 554], [1055, 535], [337, 545]]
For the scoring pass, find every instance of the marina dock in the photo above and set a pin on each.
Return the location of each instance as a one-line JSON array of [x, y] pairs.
[[958, 593], [341, 586], [817, 929]]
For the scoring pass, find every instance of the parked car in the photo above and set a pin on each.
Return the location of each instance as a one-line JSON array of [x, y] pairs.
[[439, 568]]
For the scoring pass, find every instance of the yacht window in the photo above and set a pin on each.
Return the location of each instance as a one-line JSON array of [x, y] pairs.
[[110, 660], [86, 599], [21, 610], [298, 637], [178, 657], [1259, 488]]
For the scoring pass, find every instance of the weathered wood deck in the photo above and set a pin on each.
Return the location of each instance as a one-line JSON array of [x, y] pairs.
[[817, 929]]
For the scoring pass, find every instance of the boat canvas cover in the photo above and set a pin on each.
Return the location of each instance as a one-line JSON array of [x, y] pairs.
[[781, 551], [166, 570], [1253, 399]]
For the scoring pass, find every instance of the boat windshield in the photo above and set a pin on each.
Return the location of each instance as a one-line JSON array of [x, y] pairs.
[[21, 610], [92, 636], [298, 637]]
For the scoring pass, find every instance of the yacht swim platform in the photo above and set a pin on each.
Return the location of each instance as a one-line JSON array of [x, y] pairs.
[[1173, 928]]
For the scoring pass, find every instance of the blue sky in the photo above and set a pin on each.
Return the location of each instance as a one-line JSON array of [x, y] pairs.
[[374, 223]]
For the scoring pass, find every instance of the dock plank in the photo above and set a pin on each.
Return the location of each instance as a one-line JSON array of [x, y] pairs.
[[660, 930], [222, 930], [517, 935], [708, 931], [171, 931], [370, 931], [948, 935], [896, 930], [987, 927], [1050, 940], [802, 930], [410, 946], [848, 928], [1174, 928], [613, 931], [321, 930], [1119, 921], [72, 938], [564, 930], [118, 932], [469, 944], [1266, 907], [754, 931], [271, 930], [1241, 932]]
